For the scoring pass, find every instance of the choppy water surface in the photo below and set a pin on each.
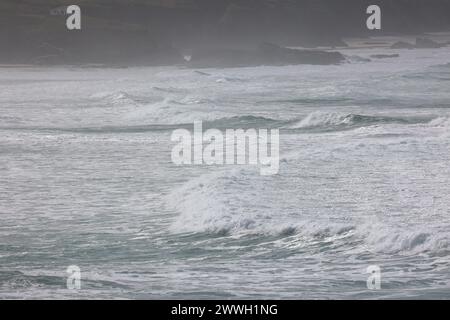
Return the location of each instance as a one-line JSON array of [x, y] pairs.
[[86, 179]]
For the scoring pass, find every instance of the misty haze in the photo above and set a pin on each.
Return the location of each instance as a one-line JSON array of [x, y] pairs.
[[94, 206]]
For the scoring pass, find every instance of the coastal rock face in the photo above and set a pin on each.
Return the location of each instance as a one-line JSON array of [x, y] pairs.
[[139, 32], [274, 55], [222, 58], [266, 54], [164, 55], [129, 54]]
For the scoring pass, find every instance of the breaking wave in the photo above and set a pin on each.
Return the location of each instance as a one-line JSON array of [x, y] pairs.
[[348, 120], [216, 203], [115, 98]]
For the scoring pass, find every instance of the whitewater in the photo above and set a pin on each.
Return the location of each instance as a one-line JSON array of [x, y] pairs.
[[86, 179]]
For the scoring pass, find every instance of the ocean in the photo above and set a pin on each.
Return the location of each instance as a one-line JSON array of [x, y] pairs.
[[86, 179]]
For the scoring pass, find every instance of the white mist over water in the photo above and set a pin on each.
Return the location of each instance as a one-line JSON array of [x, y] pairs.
[[86, 179]]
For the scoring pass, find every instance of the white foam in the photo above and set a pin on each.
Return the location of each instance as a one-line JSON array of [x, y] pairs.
[[321, 119]]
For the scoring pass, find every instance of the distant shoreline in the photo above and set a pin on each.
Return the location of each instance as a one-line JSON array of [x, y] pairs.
[[377, 42]]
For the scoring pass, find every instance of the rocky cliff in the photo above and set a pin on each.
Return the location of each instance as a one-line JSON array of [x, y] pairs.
[[148, 31]]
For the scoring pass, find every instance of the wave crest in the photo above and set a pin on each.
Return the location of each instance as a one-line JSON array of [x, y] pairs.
[[336, 120], [226, 203]]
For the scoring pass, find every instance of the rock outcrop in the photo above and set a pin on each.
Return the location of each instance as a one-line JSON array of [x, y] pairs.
[[275, 55], [138, 32], [266, 54]]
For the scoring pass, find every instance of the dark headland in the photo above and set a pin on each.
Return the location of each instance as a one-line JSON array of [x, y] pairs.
[[213, 32]]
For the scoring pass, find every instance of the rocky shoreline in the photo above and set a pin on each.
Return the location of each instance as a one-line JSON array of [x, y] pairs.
[[265, 54], [157, 33]]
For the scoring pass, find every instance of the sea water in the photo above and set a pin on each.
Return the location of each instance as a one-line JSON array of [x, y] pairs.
[[86, 179]]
